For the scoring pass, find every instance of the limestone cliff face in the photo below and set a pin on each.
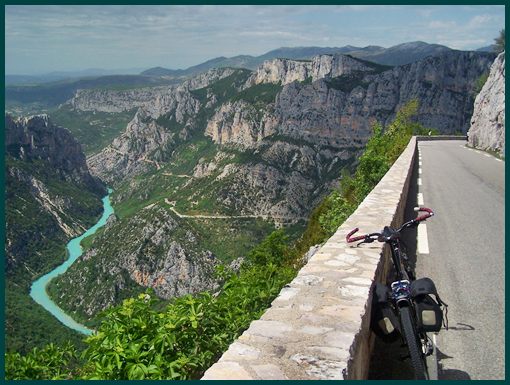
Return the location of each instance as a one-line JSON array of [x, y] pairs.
[[50, 194], [143, 145], [240, 123], [341, 110], [487, 130], [154, 100], [37, 138], [285, 71]]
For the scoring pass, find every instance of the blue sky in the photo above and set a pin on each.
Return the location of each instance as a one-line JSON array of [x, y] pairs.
[[41, 39]]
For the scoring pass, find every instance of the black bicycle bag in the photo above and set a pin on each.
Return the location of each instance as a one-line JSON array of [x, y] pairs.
[[429, 310], [384, 323]]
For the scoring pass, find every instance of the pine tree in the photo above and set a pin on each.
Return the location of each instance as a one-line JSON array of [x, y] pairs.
[[500, 41]]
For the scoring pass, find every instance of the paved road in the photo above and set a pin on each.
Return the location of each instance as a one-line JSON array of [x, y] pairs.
[[467, 247]]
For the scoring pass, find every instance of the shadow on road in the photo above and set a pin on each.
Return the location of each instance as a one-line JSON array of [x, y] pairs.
[[449, 374]]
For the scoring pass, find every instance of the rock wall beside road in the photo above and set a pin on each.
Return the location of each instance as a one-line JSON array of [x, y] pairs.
[[487, 130]]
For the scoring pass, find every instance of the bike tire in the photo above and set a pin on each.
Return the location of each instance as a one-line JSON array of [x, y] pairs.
[[413, 344]]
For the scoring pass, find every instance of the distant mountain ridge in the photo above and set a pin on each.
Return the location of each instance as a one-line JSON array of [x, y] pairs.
[[397, 55], [17, 79]]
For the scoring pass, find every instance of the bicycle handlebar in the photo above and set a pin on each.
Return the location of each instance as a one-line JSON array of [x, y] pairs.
[[410, 223]]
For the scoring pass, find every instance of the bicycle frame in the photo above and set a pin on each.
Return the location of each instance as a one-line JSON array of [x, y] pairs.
[[418, 343]]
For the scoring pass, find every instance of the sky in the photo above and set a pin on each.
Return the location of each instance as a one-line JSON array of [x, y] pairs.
[[41, 39]]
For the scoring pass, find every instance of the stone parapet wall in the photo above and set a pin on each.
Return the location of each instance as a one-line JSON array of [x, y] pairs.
[[318, 326], [423, 138]]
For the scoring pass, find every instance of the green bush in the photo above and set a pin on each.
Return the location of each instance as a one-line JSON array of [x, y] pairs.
[[480, 82], [49, 363]]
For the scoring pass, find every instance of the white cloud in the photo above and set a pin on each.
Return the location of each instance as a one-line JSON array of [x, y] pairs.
[[481, 20]]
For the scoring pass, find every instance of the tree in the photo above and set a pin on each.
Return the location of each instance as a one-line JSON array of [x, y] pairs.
[[500, 41]]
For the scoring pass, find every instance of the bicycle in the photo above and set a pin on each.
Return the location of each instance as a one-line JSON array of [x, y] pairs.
[[412, 311]]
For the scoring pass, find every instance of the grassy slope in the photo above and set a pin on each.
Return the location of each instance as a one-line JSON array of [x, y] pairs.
[[93, 130]]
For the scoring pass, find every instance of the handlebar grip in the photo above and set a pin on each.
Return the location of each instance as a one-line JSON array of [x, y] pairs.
[[424, 216], [352, 232], [356, 239], [349, 239]]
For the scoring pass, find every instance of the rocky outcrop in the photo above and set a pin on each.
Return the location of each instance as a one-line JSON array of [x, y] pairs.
[[36, 138], [143, 145], [285, 71], [150, 250], [340, 108], [240, 123], [155, 101], [487, 130]]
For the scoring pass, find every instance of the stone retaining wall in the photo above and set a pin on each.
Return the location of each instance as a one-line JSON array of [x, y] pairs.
[[318, 326]]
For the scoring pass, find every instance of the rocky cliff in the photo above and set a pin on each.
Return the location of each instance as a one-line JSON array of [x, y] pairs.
[[285, 71], [325, 107], [45, 170], [50, 198], [487, 130], [155, 100], [347, 98], [150, 249]]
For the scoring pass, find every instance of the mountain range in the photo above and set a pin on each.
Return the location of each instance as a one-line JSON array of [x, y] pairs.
[[395, 55]]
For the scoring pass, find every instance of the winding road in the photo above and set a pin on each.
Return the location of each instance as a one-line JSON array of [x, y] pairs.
[[466, 256]]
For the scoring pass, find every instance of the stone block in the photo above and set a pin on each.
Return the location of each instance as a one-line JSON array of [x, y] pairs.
[[269, 372], [226, 370], [269, 329]]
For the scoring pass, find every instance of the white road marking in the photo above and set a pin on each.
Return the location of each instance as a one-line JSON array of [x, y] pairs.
[[420, 199], [432, 361], [419, 181], [419, 163], [487, 155], [423, 241], [499, 160], [419, 171]]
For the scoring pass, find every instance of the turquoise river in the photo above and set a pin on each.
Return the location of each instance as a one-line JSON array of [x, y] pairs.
[[38, 290]]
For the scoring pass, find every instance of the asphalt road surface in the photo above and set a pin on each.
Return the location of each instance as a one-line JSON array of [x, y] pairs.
[[466, 260], [466, 244]]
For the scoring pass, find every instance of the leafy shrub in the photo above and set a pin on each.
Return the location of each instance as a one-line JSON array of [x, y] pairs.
[[480, 82], [49, 363]]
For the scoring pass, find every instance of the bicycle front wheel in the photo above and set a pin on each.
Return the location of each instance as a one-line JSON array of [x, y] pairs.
[[413, 344]]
